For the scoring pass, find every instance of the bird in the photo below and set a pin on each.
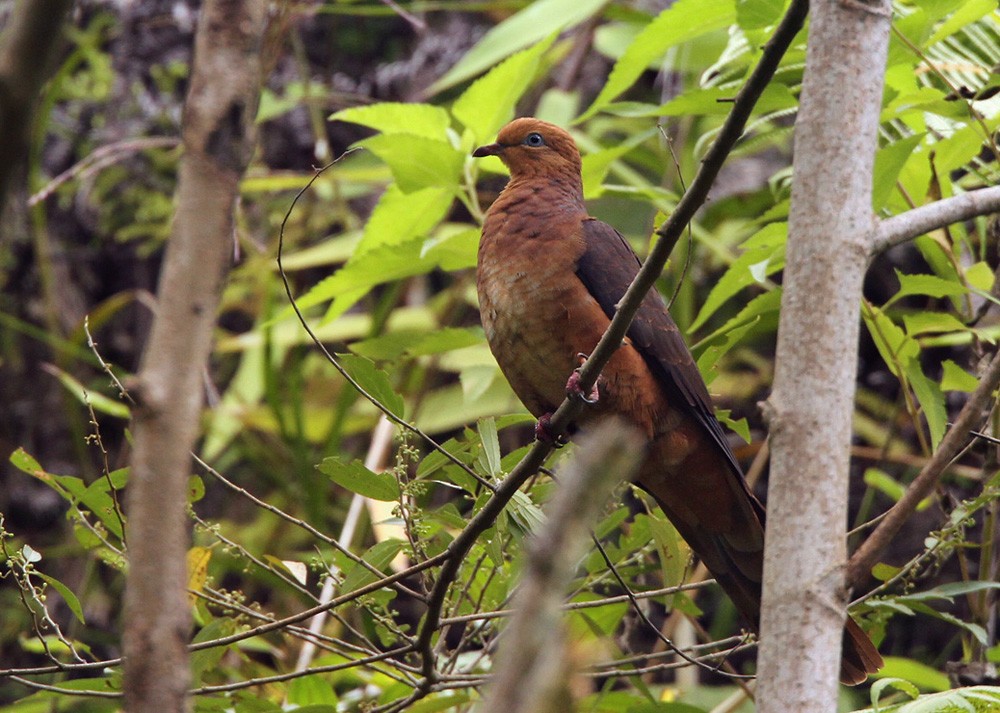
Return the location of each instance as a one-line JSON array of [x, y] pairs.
[[549, 277]]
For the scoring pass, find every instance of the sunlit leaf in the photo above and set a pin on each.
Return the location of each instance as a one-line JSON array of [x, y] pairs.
[[424, 120]]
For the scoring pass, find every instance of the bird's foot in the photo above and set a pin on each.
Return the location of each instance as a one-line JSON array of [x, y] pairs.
[[543, 432], [573, 385]]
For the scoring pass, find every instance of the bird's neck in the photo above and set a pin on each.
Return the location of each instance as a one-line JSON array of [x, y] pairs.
[[554, 194]]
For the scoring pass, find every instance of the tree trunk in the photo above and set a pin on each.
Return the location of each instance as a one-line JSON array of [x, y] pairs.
[[831, 226], [218, 131]]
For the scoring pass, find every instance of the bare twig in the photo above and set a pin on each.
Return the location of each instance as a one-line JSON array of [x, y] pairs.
[[914, 223], [968, 419]]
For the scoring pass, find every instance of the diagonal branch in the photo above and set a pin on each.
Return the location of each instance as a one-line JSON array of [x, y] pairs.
[[914, 223], [669, 233], [968, 419]]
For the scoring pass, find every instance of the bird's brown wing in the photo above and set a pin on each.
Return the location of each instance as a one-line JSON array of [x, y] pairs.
[[607, 267]]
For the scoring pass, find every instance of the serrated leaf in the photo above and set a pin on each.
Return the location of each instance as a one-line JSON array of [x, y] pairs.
[[682, 21], [536, 21], [930, 285], [416, 161], [489, 103], [757, 14], [400, 216], [373, 380], [355, 477], [955, 378], [424, 120]]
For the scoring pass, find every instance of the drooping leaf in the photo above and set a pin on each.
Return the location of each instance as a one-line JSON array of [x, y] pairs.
[[378, 556], [67, 594]]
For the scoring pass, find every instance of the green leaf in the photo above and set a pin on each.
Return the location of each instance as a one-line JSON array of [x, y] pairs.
[[757, 14], [67, 594], [955, 378], [310, 691], [374, 381], [885, 483], [884, 572], [431, 122], [913, 672], [899, 683], [416, 161], [980, 276], [930, 285], [354, 476], [895, 347], [487, 428], [765, 246], [672, 551], [100, 403], [931, 400], [536, 21], [378, 556], [400, 216], [682, 21], [889, 162], [968, 12], [207, 659], [489, 103], [525, 513], [932, 323]]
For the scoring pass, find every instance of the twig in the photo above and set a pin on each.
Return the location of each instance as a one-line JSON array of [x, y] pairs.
[[914, 223], [864, 558]]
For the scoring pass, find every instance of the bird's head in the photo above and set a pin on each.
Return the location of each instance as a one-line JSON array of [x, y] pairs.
[[531, 147]]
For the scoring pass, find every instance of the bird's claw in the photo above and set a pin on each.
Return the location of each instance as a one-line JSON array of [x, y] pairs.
[[573, 389], [543, 432]]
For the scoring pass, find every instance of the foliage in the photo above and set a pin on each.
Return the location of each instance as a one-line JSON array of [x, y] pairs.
[[380, 253]]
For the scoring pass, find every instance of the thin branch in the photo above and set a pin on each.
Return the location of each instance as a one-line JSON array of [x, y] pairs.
[[968, 419], [914, 223]]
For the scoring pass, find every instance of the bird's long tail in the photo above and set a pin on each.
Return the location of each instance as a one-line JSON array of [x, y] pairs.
[[724, 525]]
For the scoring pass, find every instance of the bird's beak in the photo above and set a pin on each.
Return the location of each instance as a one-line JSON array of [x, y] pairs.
[[488, 150]]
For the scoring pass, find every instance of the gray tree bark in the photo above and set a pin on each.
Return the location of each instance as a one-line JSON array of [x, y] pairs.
[[831, 227], [218, 136]]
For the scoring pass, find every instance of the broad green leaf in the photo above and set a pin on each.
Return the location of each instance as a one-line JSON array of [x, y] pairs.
[[763, 305], [355, 477], [443, 701], [932, 323], [489, 103], [25, 462], [378, 556], [958, 149], [673, 552], [311, 691], [757, 14], [535, 22], [374, 381], [980, 276], [884, 572], [416, 161], [766, 245], [889, 162], [525, 513], [930, 285], [431, 122], [914, 672], [955, 378], [682, 21], [444, 340], [399, 216], [205, 660]]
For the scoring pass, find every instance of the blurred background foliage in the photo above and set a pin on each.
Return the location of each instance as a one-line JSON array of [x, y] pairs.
[[380, 254]]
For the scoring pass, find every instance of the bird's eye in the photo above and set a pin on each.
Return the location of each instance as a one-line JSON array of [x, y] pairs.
[[534, 139]]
